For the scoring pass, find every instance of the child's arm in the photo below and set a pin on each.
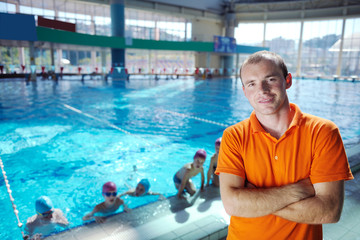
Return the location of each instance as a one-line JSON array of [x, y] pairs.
[[202, 179], [184, 181], [162, 197], [90, 215], [210, 171], [61, 219], [126, 193], [29, 229], [126, 209]]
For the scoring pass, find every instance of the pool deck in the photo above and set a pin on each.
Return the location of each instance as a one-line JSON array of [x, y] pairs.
[[203, 217]]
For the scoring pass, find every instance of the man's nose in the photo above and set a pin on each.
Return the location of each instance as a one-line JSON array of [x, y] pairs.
[[265, 86]]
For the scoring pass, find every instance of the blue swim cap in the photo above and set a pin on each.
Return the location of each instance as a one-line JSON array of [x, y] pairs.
[[43, 204], [146, 184]]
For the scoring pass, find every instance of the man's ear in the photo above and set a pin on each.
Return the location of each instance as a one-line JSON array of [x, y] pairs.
[[288, 80]]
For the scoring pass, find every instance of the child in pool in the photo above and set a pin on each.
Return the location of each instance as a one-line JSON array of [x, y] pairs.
[[142, 189], [182, 178], [213, 165], [111, 204], [46, 220]]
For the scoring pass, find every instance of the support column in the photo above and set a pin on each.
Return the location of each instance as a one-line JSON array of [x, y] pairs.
[[103, 58], [230, 22], [52, 53], [338, 69], [299, 58], [32, 61], [21, 55], [117, 8], [93, 61]]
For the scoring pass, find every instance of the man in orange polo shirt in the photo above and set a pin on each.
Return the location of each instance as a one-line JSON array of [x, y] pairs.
[[281, 171]]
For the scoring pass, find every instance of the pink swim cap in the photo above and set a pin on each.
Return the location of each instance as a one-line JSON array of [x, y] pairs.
[[109, 187], [200, 153], [218, 141]]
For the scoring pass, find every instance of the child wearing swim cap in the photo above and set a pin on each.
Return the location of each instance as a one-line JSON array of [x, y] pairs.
[[182, 178], [142, 189], [46, 220], [110, 205], [213, 164]]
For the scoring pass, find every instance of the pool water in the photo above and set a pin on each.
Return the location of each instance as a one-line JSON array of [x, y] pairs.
[[65, 139]]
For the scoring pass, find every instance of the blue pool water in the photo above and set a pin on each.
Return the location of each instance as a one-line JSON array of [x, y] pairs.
[[66, 139]]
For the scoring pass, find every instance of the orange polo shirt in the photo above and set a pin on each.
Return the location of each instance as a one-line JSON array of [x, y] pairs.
[[311, 147]]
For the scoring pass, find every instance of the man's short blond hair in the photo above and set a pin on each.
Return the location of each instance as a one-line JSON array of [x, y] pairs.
[[266, 55]]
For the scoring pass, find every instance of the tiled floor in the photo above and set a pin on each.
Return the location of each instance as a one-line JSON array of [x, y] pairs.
[[203, 217], [200, 217], [348, 228]]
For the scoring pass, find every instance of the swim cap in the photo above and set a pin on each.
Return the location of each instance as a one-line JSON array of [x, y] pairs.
[[200, 153], [146, 184], [43, 204], [218, 141], [109, 187]]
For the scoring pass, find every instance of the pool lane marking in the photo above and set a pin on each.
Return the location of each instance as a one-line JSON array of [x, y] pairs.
[[108, 124], [196, 118]]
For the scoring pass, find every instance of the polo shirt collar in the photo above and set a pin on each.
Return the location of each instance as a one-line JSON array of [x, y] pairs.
[[256, 126]]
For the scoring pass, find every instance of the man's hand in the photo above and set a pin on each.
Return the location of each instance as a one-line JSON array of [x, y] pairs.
[[244, 199], [304, 189]]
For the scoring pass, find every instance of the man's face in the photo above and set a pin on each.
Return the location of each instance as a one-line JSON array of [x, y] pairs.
[[265, 87]]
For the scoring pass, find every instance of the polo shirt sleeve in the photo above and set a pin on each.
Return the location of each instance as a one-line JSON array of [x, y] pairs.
[[230, 159], [330, 162]]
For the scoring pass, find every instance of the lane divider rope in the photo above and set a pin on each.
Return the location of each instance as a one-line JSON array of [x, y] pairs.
[[109, 124], [16, 212], [196, 118]]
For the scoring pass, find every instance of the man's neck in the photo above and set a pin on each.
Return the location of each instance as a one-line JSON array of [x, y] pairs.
[[277, 124]]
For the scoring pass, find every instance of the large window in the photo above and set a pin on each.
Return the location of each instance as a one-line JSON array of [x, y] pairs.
[[147, 25], [7, 7], [320, 48], [350, 48], [250, 34], [318, 38], [284, 42], [150, 61]]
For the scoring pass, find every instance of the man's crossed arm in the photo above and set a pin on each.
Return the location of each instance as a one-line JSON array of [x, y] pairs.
[[300, 202]]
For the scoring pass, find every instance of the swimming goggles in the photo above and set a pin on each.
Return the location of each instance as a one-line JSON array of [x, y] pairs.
[[45, 214], [108, 194]]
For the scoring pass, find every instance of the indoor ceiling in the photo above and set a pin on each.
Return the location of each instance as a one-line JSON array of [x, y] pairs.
[[250, 10]]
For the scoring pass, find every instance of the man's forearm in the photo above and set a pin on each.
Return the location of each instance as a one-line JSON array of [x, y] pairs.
[[248, 202], [320, 209]]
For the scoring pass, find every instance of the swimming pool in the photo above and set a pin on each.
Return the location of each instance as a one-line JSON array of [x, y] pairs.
[[65, 139]]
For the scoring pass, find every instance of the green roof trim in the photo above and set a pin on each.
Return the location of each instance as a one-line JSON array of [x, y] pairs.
[[64, 37]]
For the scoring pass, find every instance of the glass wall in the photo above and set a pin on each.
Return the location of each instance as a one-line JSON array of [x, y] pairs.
[[320, 45], [159, 62], [318, 38], [251, 34], [351, 48], [95, 19], [154, 26], [285, 43]]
